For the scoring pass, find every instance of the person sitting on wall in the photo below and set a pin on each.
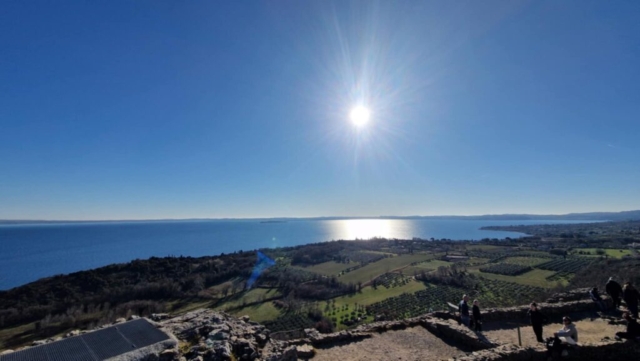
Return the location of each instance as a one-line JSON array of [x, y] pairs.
[[565, 337], [633, 328]]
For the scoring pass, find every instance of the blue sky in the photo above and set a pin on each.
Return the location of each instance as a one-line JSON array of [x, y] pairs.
[[154, 109]]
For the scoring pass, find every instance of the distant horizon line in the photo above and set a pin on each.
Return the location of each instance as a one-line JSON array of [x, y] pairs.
[[483, 216]]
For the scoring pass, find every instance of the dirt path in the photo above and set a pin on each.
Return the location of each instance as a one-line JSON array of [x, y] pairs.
[[588, 331], [412, 344]]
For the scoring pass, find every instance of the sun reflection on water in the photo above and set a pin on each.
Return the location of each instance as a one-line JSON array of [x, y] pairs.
[[369, 228]]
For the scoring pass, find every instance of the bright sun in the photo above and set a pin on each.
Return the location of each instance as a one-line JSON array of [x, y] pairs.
[[360, 115]]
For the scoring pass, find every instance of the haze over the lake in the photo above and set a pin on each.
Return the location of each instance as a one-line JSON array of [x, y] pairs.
[[164, 109]]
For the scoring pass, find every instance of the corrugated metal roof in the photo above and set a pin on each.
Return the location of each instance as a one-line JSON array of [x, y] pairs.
[[94, 346]]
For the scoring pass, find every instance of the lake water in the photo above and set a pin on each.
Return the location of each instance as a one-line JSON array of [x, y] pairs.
[[32, 251]]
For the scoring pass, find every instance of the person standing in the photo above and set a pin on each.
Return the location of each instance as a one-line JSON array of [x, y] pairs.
[[537, 320], [614, 290], [477, 317], [595, 297], [630, 296], [463, 308], [633, 329]]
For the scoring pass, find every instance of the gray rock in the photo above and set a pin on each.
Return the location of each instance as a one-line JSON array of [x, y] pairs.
[[290, 354], [73, 333], [218, 335], [159, 316], [305, 351], [169, 355], [223, 350]]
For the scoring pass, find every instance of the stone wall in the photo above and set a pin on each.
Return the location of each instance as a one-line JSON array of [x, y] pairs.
[[611, 350], [601, 351], [445, 329], [550, 310]]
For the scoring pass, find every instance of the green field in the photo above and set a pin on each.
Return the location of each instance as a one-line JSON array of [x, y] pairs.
[[378, 253], [373, 270], [425, 266], [187, 307], [370, 295], [346, 304], [536, 277], [474, 261], [24, 332], [615, 253], [486, 248], [228, 286], [254, 295], [525, 261], [330, 268], [260, 313]]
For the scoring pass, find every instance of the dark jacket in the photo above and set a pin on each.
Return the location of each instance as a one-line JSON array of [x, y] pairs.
[[463, 307], [536, 317], [595, 295], [476, 313], [633, 328], [613, 288], [630, 297]]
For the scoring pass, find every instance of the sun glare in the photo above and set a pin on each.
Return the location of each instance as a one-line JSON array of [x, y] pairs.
[[360, 115], [364, 228]]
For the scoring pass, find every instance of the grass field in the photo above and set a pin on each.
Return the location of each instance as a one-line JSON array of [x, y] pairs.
[[330, 268], [615, 253], [425, 266], [25, 330], [347, 304], [525, 261], [378, 253], [190, 306], [265, 311], [250, 296], [219, 289], [536, 277], [486, 248], [372, 270], [474, 261], [370, 295]]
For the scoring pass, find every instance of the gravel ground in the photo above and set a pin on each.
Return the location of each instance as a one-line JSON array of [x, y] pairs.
[[588, 331], [411, 344]]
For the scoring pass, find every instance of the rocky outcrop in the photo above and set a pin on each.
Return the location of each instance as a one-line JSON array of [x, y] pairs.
[[208, 335]]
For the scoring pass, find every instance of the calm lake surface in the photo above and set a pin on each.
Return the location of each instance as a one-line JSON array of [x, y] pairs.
[[32, 251]]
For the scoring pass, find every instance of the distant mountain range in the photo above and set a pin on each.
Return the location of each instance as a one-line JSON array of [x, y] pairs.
[[591, 216]]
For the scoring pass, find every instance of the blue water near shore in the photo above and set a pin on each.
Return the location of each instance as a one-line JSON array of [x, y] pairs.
[[32, 251]]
